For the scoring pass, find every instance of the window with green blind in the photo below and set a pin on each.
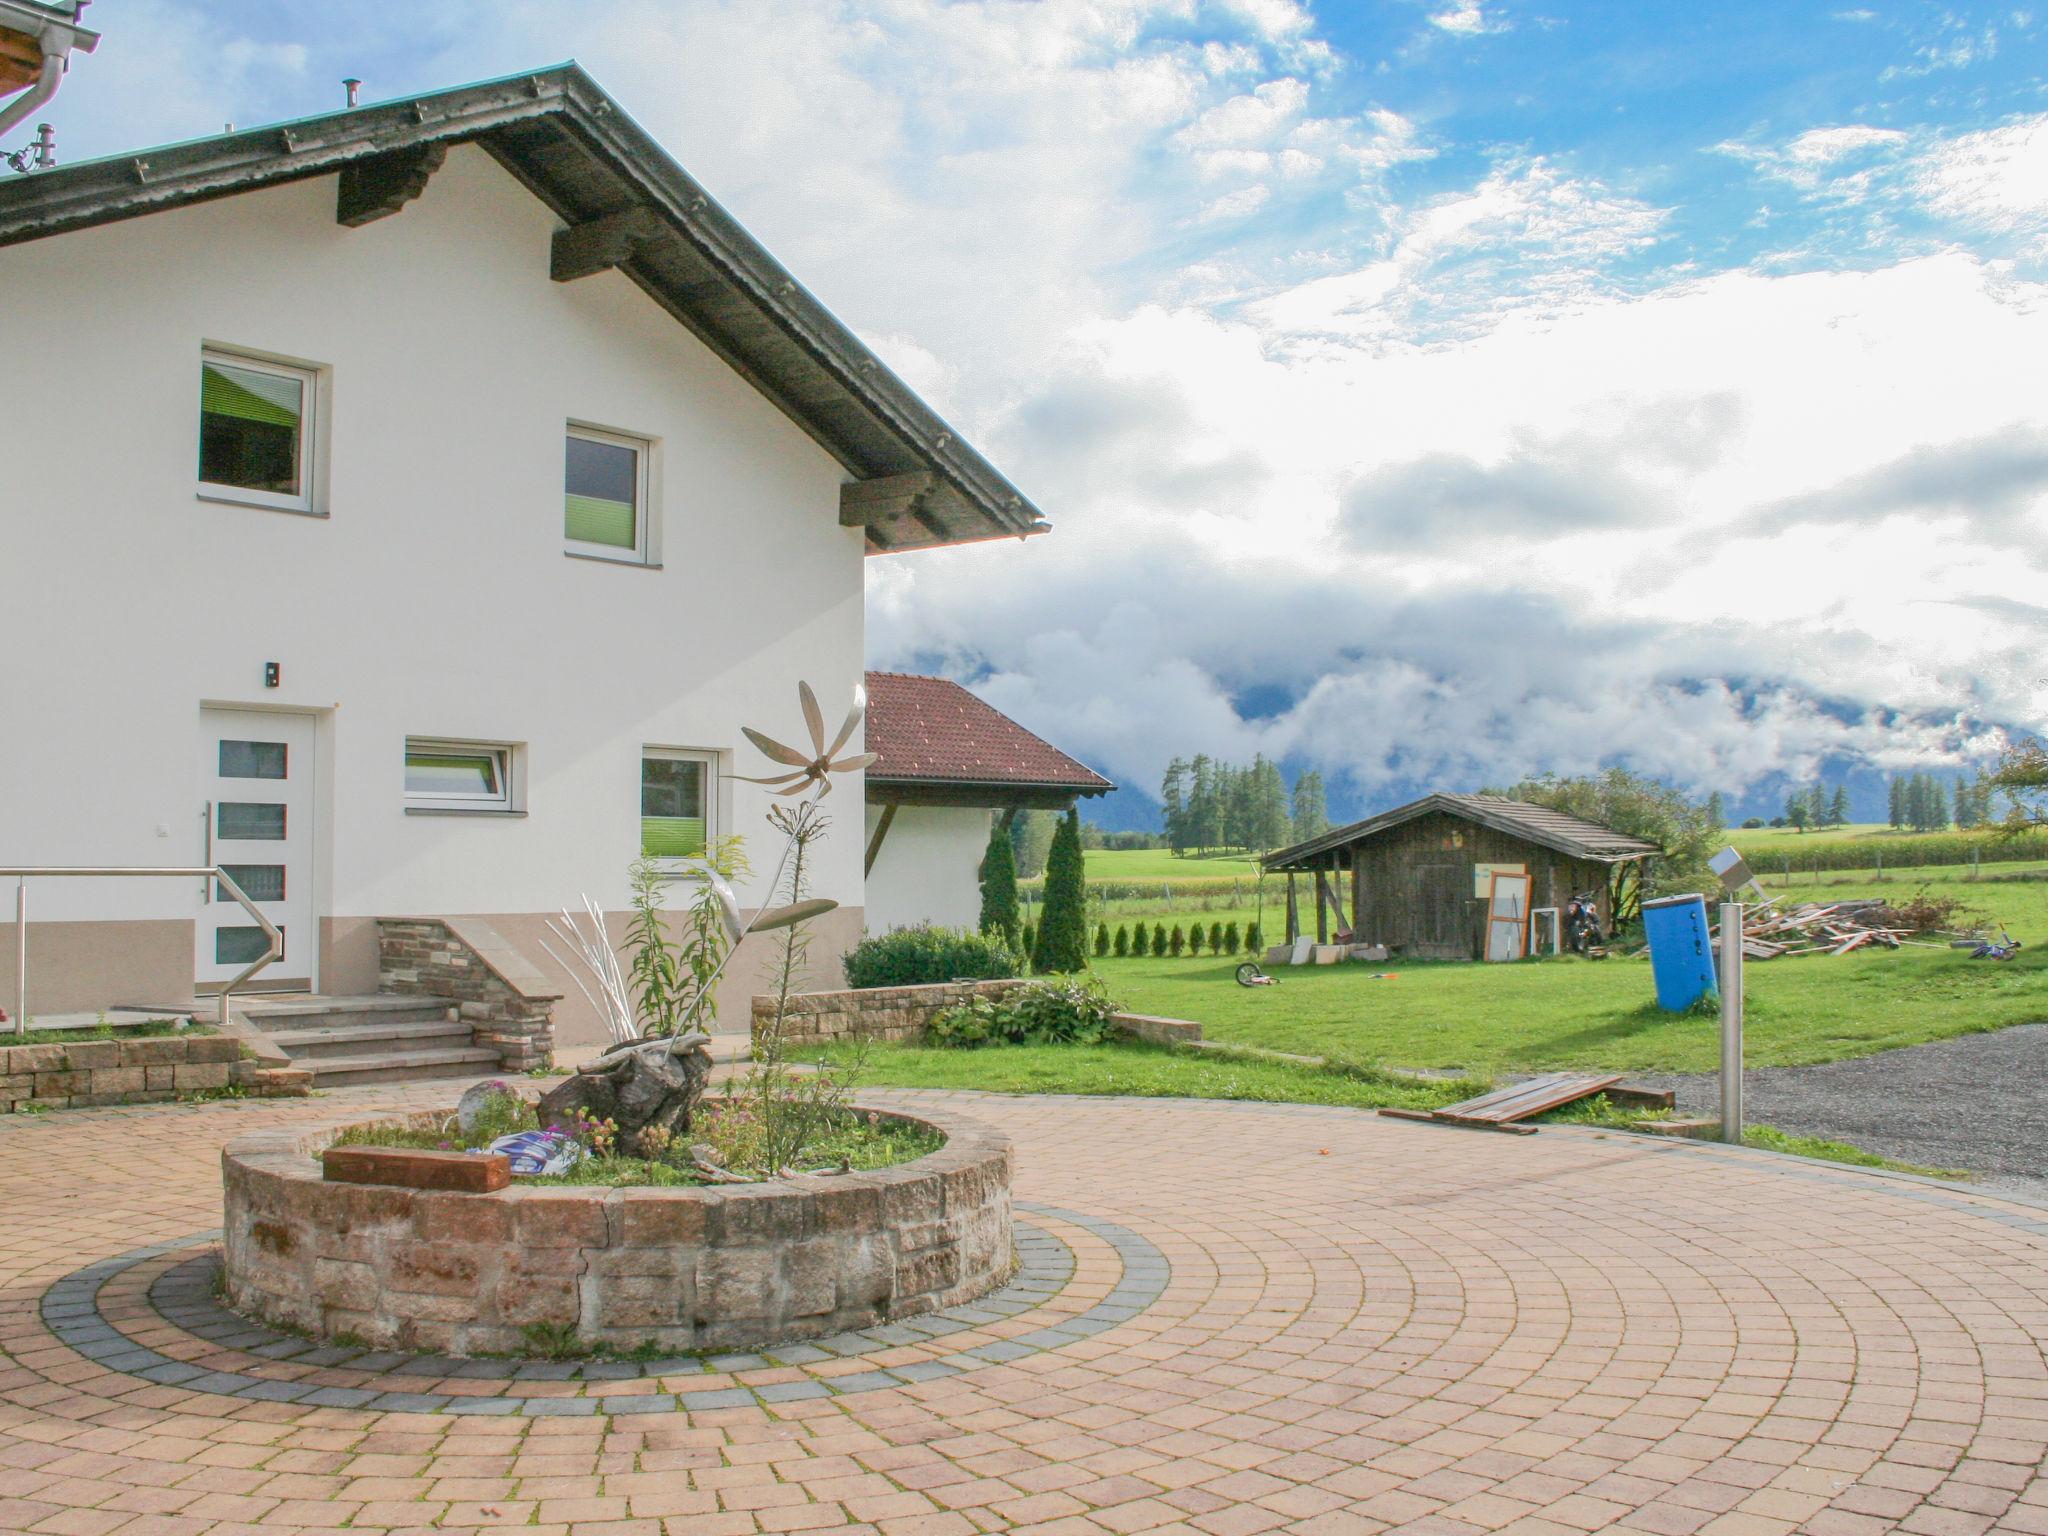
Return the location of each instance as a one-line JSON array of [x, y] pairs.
[[675, 805], [255, 430], [605, 494]]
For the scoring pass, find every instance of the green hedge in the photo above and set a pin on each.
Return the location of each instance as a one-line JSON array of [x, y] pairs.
[[919, 956], [1908, 850]]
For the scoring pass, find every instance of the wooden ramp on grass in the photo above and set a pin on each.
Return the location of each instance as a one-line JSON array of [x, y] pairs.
[[1498, 1110]]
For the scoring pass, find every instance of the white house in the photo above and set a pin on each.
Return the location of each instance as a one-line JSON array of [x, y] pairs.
[[405, 508], [947, 764]]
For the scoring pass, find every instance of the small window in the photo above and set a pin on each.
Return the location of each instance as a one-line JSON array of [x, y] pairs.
[[252, 759], [256, 431], [675, 804], [244, 946], [454, 776], [605, 495], [243, 821]]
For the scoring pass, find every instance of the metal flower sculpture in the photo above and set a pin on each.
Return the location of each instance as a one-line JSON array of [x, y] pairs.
[[818, 767]]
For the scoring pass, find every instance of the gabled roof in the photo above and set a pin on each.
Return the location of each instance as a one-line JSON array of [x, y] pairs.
[[1537, 824], [627, 205], [931, 731]]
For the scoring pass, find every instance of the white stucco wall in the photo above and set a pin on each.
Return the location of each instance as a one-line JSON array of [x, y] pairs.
[[929, 867], [436, 599]]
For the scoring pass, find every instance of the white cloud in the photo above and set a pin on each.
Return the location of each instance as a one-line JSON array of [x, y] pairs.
[[1466, 18], [1996, 179]]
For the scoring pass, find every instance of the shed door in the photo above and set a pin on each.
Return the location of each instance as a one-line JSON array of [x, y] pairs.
[[1440, 916]]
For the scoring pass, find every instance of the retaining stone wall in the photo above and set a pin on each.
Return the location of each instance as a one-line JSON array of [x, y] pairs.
[[147, 1070], [725, 1267], [503, 998], [879, 1013]]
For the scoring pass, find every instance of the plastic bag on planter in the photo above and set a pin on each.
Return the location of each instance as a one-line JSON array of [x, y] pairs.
[[539, 1152]]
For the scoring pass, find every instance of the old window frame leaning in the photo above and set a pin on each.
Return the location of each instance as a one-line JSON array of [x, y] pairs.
[[311, 379], [642, 549], [503, 758]]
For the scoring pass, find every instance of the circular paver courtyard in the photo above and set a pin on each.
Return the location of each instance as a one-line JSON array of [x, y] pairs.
[[1228, 1318]]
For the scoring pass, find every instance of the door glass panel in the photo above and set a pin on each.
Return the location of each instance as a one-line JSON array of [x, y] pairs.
[[249, 424], [251, 822], [259, 882], [242, 946], [252, 759]]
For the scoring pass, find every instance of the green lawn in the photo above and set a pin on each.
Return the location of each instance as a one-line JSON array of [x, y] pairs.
[[1601, 1014], [1149, 1071], [1164, 864]]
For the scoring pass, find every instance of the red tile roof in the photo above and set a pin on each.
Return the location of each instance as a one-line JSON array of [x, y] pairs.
[[930, 730]]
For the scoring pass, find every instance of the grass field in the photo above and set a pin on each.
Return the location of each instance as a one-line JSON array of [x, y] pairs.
[[1592, 1014]]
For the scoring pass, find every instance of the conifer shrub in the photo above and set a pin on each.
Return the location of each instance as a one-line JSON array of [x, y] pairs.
[[1101, 940], [1122, 944], [1232, 940], [1177, 941], [1159, 939]]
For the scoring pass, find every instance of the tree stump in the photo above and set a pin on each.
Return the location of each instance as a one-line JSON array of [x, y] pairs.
[[648, 1085]]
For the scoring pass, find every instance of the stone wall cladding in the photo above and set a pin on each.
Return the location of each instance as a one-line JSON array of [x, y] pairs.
[[878, 1013], [504, 1000], [727, 1267], [147, 1070]]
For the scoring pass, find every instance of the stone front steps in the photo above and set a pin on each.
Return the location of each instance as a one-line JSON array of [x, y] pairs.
[[348, 1041]]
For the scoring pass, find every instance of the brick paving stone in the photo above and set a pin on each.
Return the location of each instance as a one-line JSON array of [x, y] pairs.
[[1273, 1319]]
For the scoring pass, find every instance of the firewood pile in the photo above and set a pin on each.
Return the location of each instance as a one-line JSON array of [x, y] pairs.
[[1770, 932]]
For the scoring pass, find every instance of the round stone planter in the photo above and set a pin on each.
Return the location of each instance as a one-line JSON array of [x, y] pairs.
[[726, 1267]]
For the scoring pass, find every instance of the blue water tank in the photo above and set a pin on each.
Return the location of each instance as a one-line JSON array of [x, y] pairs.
[[1681, 950]]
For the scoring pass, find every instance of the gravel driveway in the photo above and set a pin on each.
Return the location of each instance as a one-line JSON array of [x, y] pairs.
[[1978, 1102]]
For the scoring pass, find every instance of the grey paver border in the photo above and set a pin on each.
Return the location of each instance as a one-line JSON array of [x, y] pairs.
[[183, 1296]]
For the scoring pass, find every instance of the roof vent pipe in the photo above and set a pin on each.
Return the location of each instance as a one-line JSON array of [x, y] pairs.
[[354, 88]]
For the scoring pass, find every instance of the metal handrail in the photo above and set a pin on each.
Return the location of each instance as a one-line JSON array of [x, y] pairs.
[[209, 872]]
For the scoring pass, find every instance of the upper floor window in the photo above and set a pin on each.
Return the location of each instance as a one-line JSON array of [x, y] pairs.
[[257, 423], [605, 495]]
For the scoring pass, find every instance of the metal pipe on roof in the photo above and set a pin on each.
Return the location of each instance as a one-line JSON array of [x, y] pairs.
[[47, 81]]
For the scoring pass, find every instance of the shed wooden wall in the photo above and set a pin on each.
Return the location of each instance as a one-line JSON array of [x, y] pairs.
[[1416, 884]]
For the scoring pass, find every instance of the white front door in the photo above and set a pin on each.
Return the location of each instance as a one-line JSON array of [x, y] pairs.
[[256, 774]]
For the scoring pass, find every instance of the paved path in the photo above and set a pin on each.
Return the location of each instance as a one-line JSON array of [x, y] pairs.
[[1978, 1102], [1332, 1325]]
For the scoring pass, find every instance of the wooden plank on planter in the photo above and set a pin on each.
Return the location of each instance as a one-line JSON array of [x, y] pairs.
[[1429, 1118], [412, 1168]]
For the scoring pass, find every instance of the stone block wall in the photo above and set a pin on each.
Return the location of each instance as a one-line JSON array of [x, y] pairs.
[[507, 1003], [146, 1070], [879, 1013], [725, 1267]]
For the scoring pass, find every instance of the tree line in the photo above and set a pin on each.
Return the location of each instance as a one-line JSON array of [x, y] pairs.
[[1209, 803]]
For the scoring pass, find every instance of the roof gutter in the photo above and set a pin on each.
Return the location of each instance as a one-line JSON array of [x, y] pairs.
[[57, 37]]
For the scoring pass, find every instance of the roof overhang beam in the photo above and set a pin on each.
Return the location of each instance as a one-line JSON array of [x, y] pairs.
[[376, 188]]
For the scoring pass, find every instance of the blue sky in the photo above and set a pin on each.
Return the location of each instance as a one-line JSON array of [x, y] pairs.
[[1433, 392]]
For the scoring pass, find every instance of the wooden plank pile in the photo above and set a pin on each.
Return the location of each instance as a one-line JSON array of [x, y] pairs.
[[1821, 928], [1498, 1110]]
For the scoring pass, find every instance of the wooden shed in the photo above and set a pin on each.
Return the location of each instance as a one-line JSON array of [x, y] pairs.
[[1415, 879]]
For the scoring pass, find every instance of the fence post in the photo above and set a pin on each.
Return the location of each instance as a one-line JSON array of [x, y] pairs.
[[1731, 1021], [21, 955]]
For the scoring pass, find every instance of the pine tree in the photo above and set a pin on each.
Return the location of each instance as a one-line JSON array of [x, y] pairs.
[[1717, 813], [1195, 939], [1122, 945], [1252, 936], [1215, 938], [1027, 941], [1101, 940], [1798, 809], [1838, 807], [1173, 795], [1232, 941], [999, 883], [1897, 792], [1159, 938], [1177, 941], [1063, 920], [1272, 825], [1311, 808]]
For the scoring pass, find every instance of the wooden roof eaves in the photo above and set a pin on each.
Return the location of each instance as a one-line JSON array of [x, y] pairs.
[[1339, 837]]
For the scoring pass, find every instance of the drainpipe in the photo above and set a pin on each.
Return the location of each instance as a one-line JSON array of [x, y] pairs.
[[26, 104]]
